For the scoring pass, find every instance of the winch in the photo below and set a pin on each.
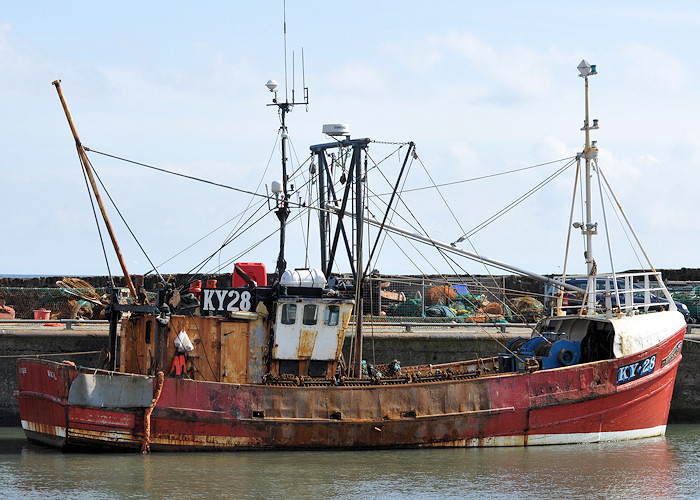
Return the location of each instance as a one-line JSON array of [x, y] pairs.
[[546, 352]]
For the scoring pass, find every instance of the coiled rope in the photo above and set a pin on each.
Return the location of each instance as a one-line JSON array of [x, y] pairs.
[[145, 446]]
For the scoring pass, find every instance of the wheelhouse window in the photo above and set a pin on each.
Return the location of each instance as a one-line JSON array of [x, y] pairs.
[[289, 314], [310, 314], [332, 315]]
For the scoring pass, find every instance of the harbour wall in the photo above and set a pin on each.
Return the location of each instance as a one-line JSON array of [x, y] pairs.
[[410, 348]]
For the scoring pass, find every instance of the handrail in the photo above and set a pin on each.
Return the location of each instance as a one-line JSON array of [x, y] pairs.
[[68, 322], [621, 295], [410, 326]]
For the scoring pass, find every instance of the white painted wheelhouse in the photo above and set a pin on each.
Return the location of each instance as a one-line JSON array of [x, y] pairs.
[[309, 329]]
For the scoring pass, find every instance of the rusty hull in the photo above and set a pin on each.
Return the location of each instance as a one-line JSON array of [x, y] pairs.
[[498, 409]]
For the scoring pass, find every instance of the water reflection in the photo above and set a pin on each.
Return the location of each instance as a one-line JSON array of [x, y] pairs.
[[655, 468]]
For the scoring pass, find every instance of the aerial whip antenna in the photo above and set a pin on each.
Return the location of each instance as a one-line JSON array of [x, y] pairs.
[[279, 189], [284, 15]]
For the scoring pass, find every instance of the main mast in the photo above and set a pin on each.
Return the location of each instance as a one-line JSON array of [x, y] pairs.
[[280, 190], [590, 153]]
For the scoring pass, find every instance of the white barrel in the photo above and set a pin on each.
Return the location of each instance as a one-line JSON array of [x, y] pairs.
[[306, 278]]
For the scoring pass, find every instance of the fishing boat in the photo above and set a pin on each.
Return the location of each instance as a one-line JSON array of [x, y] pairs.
[[260, 366]]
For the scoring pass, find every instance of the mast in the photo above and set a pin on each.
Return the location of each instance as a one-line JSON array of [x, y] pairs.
[[282, 211], [88, 171], [359, 275], [590, 152], [280, 189]]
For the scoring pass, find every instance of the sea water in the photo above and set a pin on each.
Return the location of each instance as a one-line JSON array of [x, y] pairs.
[[651, 468]]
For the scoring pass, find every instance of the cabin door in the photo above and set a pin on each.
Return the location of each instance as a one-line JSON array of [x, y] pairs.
[[235, 347]]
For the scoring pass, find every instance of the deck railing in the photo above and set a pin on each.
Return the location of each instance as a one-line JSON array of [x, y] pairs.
[[610, 294]]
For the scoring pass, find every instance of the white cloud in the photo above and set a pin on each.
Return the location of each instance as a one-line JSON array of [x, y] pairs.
[[424, 56], [688, 148], [621, 170], [358, 78], [552, 148], [505, 73], [467, 158], [654, 68]]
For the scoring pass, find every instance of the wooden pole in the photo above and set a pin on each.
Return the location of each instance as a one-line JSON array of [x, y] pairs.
[[88, 171]]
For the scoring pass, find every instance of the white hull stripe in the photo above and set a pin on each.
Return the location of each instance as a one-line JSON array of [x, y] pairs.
[[52, 430], [573, 438], [232, 442]]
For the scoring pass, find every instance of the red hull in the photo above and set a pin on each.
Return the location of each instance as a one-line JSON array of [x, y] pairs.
[[582, 403]]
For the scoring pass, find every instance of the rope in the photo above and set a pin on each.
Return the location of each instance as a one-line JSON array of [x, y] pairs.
[[178, 174], [145, 446], [125, 223], [97, 223]]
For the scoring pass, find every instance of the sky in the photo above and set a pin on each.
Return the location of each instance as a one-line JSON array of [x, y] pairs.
[[480, 87]]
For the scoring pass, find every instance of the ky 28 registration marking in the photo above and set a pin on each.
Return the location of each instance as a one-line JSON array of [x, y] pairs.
[[235, 299], [633, 371]]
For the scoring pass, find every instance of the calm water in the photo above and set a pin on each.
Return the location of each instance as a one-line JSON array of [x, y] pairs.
[[654, 468]]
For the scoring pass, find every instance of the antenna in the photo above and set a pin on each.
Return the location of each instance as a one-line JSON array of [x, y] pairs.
[[293, 76], [287, 105], [280, 189], [284, 17], [303, 81]]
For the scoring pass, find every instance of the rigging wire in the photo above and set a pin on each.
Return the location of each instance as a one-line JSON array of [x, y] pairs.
[[124, 221], [306, 182], [607, 231], [197, 268], [440, 251], [450, 260], [629, 224], [388, 205], [488, 270], [232, 236], [262, 177], [513, 204], [198, 179], [199, 240], [482, 177], [622, 226], [97, 223], [255, 245]]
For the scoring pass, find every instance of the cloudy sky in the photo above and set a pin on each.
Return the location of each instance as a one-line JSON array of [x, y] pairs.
[[480, 87]]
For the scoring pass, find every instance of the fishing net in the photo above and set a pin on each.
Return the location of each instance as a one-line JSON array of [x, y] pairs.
[[64, 302]]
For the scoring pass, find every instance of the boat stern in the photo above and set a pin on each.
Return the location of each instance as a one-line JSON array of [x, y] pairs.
[[42, 394]]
